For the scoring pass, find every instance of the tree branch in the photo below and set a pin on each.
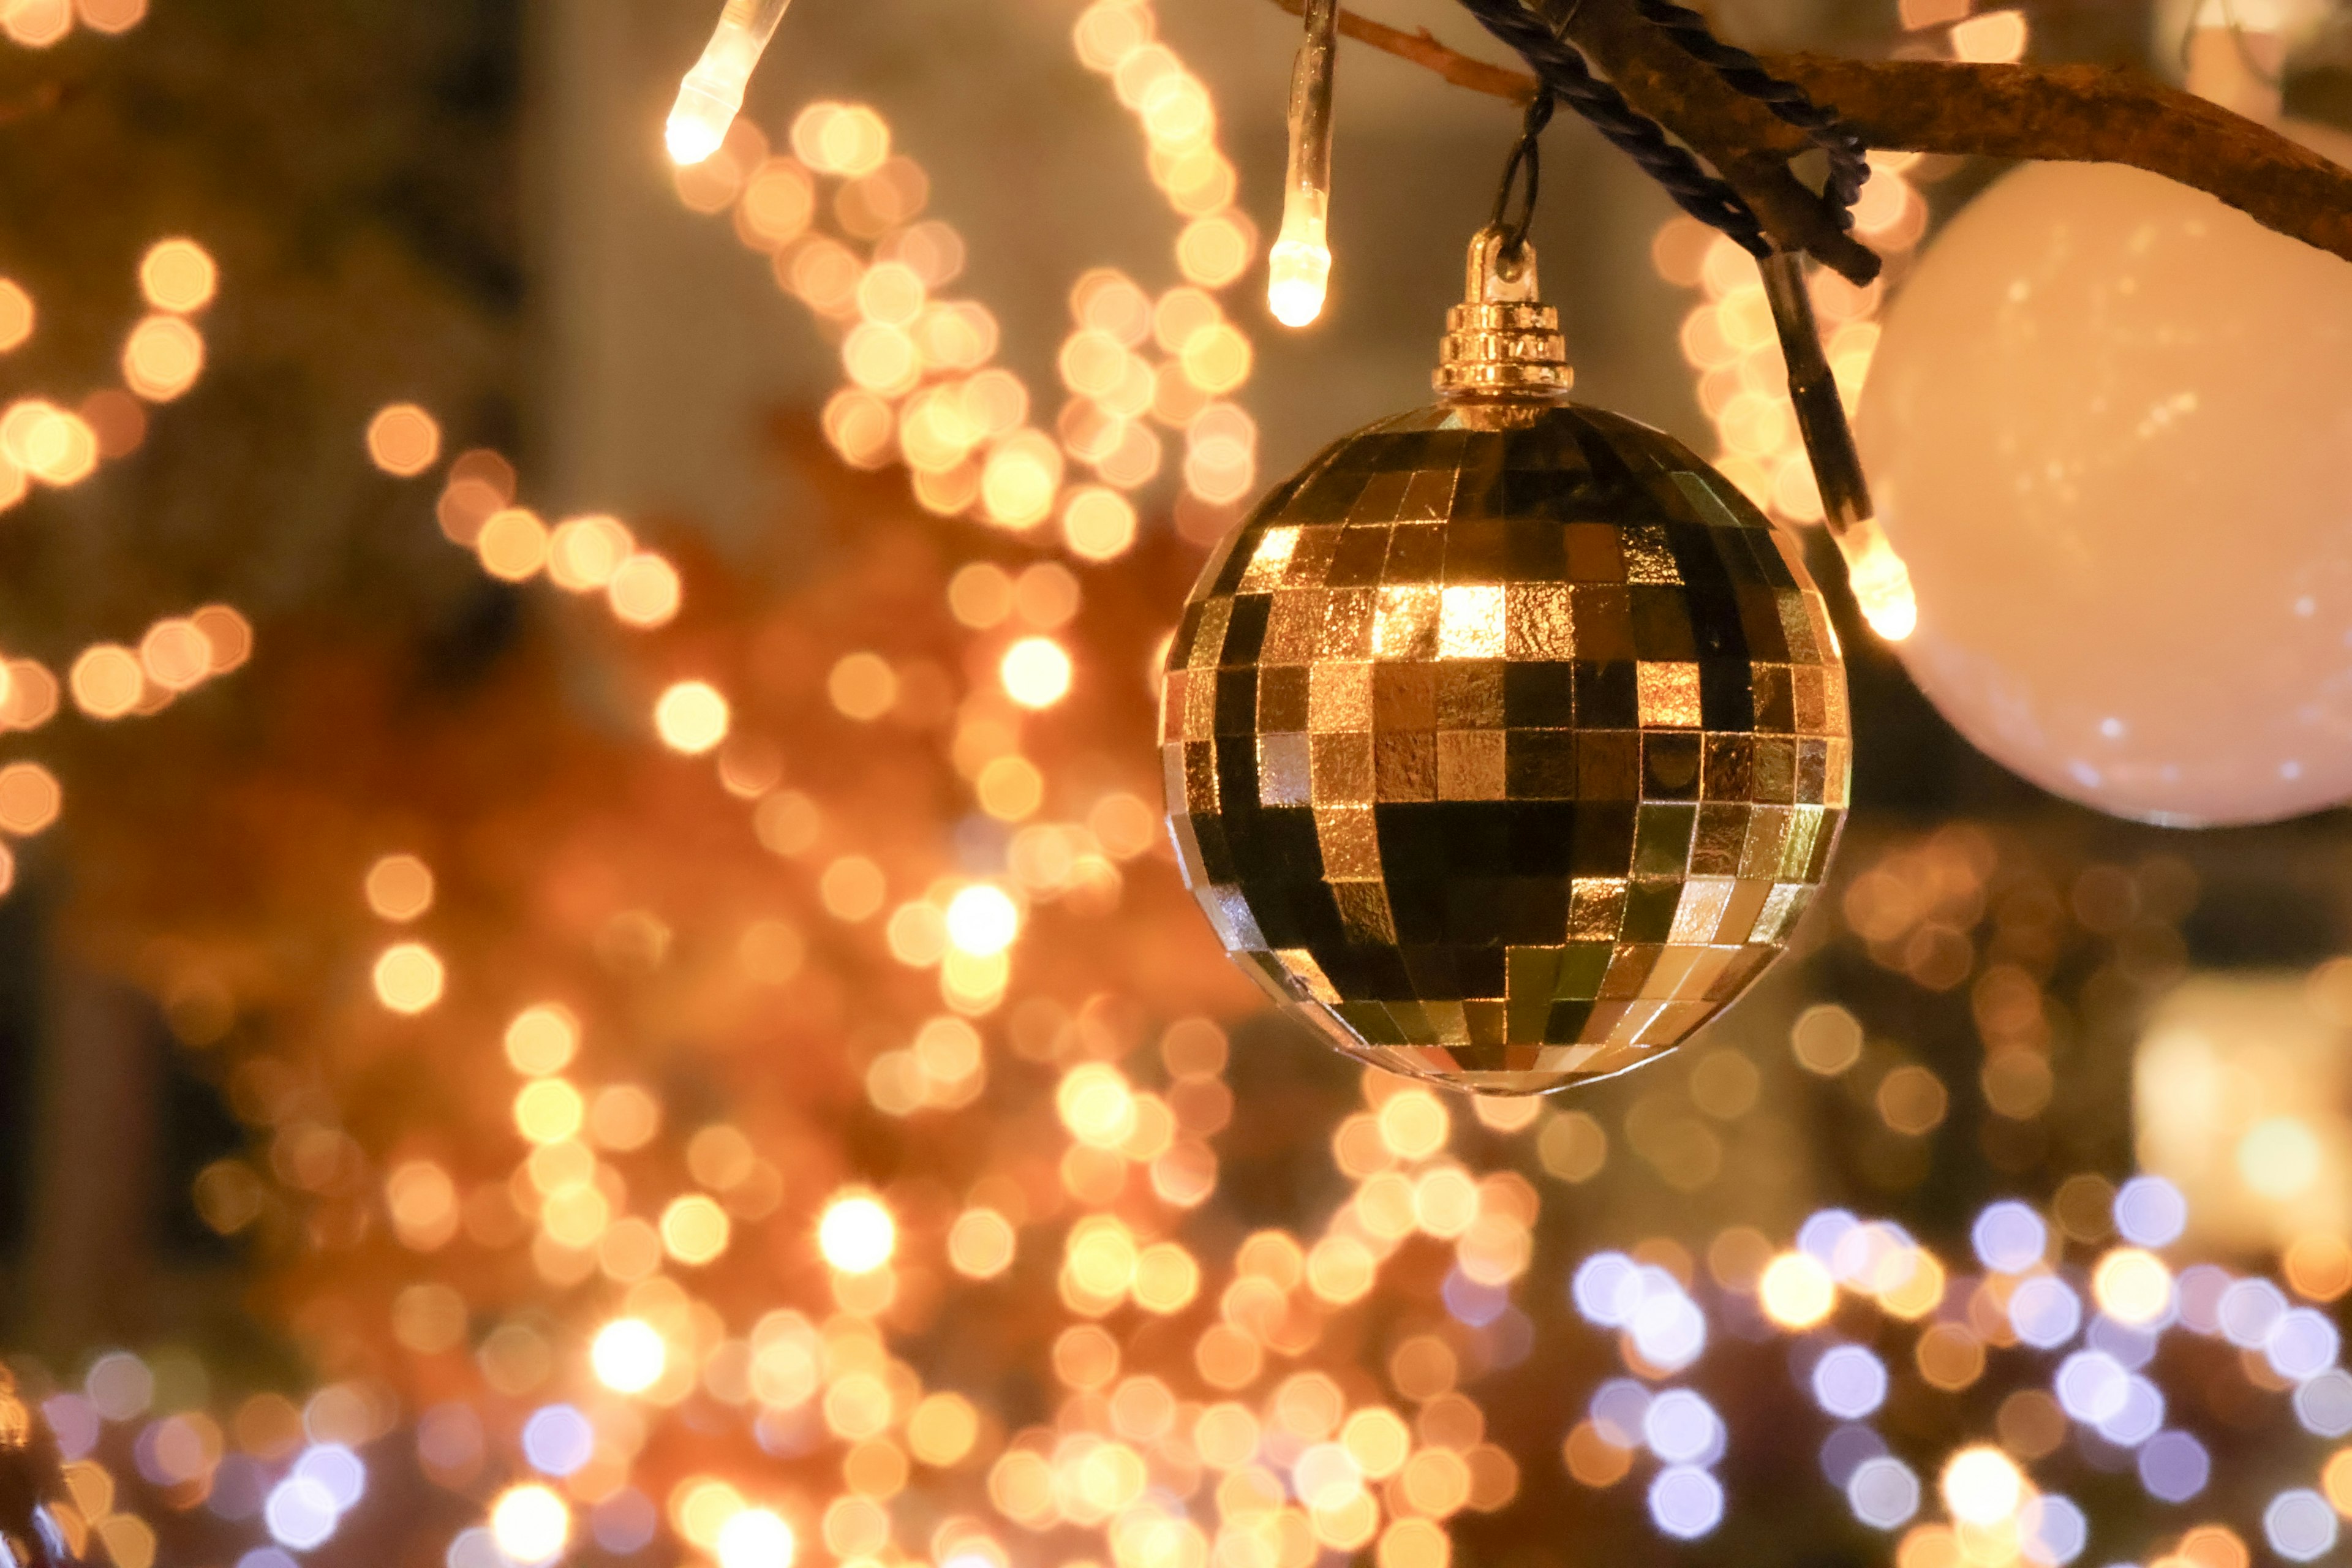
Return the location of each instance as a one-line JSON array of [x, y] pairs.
[[1749, 146], [39, 101], [1423, 50], [2060, 113], [2087, 114]]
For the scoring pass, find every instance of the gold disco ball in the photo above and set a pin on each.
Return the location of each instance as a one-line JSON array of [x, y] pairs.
[[1507, 741]]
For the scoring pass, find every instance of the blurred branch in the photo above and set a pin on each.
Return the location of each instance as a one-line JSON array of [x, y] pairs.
[[2068, 113], [40, 100]]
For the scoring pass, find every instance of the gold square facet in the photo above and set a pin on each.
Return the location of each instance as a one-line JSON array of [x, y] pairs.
[[1292, 627], [1341, 768], [1338, 696], [1282, 776], [1668, 695], [1347, 630], [1405, 626], [1470, 623], [1350, 841], [1470, 764], [1269, 561], [1538, 625]]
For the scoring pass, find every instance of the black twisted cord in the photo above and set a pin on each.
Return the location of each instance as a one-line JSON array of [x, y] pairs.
[[1745, 74], [1526, 153], [1564, 75]]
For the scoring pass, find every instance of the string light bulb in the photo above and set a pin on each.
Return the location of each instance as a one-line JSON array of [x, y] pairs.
[[713, 90], [1298, 269], [856, 1235], [1881, 583]]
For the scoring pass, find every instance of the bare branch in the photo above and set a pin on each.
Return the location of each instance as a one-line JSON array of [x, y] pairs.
[[1423, 50], [2063, 113], [40, 100], [2087, 114], [1748, 145]]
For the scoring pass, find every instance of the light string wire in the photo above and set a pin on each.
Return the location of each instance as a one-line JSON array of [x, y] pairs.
[[1527, 153], [1560, 67], [1879, 581], [1849, 164]]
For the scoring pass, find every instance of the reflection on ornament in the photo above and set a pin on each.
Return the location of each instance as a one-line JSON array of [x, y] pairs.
[[1507, 741], [2105, 428]]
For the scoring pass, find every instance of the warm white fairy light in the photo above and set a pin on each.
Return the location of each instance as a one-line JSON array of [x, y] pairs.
[[1982, 1486], [1298, 269], [1880, 582], [531, 1524], [713, 90], [628, 1355], [857, 1234]]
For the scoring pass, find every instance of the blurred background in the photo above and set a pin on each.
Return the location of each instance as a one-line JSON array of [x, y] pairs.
[[589, 970]]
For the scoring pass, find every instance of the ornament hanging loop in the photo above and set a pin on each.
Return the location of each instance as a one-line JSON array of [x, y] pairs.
[[1526, 154]]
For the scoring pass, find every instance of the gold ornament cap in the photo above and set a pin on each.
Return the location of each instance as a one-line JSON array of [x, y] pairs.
[[1502, 343]]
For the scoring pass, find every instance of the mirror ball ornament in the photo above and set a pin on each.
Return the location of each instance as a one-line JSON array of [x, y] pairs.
[[1507, 742]]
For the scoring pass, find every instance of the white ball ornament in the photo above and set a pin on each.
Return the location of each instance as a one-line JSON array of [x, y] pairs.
[[2109, 430]]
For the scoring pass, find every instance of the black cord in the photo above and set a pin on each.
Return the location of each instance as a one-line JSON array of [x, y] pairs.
[[1745, 74], [1526, 153], [1563, 73], [1561, 69]]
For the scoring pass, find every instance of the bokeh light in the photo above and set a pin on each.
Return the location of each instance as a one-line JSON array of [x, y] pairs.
[[178, 275], [1037, 672], [531, 1524], [755, 1538], [1796, 1292], [1982, 1486], [543, 1039], [983, 921], [409, 978], [1686, 1502], [161, 358], [30, 798], [856, 1234], [1883, 1492], [645, 591], [691, 716], [404, 441], [695, 1230], [629, 1355], [16, 315], [399, 887]]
